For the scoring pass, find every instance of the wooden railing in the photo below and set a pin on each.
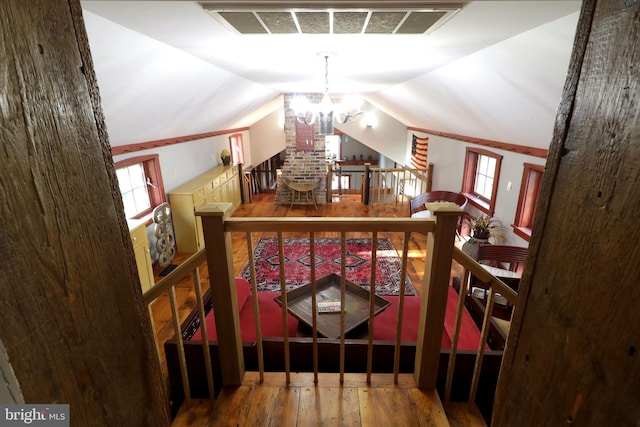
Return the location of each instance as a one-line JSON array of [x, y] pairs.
[[168, 285], [220, 262], [495, 285], [395, 185], [219, 257]]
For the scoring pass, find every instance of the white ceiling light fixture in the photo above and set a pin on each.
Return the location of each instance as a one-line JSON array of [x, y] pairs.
[[326, 110]]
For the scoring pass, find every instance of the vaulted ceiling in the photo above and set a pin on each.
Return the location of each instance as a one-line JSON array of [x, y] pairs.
[[483, 68]]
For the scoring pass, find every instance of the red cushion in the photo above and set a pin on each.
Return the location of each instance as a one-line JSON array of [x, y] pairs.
[[243, 289], [270, 316], [384, 327]]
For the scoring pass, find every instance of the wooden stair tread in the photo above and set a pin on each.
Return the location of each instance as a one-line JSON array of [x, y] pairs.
[[192, 413], [302, 402], [462, 414]]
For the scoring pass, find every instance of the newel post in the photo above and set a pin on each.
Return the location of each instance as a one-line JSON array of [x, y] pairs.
[[223, 290], [366, 184], [434, 295], [429, 177]]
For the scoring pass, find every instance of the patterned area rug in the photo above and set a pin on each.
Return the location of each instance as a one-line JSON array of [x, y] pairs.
[[327, 251]]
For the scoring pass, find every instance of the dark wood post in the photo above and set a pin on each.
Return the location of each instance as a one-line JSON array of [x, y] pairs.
[[367, 184], [434, 296], [572, 355], [429, 177], [75, 329], [223, 290]]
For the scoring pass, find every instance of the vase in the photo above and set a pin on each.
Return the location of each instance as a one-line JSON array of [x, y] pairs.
[[226, 160], [471, 246]]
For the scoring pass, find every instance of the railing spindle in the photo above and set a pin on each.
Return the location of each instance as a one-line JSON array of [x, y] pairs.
[[403, 279], [486, 324], [314, 306], [372, 304], [256, 306], [181, 356], [155, 336], [456, 335], [343, 310], [205, 336], [285, 313]]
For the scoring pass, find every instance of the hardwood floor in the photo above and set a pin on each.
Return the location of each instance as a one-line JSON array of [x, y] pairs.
[[328, 403]]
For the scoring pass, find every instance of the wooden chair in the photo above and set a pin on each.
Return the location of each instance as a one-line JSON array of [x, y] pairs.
[[417, 204], [510, 258]]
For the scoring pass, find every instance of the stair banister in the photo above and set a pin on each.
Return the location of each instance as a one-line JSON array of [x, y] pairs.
[[437, 273], [223, 290]]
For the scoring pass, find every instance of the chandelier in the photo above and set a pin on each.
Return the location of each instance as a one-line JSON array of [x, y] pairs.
[[326, 111]]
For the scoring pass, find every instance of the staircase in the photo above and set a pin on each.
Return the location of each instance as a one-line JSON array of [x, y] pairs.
[[303, 403]]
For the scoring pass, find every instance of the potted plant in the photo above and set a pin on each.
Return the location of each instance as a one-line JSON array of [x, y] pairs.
[[484, 230], [225, 156]]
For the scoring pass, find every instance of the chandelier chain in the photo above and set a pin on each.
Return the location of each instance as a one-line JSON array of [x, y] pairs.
[[326, 74]]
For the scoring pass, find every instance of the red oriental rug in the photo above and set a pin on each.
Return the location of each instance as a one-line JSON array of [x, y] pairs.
[[297, 256]]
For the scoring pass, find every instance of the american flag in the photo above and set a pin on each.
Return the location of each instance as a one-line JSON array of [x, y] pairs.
[[419, 148]]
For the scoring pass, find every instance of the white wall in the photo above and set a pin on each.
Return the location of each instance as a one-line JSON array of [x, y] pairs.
[[182, 162], [267, 136], [386, 136], [507, 92], [148, 91], [448, 157]]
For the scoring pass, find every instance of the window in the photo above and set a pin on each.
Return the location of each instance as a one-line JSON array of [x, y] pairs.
[[141, 186], [528, 199], [345, 182], [480, 182]]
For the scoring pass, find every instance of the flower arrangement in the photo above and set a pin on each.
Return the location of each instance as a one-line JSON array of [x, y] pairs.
[[485, 227]]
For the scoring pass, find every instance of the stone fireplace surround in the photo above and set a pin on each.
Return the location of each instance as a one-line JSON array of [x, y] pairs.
[[300, 166]]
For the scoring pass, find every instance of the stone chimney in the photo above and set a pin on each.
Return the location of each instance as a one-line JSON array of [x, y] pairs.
[[304, 161]]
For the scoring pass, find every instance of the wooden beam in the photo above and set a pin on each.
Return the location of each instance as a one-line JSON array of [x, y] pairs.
[[506, 146], [572, 355], [74, 325], [148, 145]]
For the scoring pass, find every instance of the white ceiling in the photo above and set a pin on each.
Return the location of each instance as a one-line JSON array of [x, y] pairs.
[[358, 63], [494, 70]]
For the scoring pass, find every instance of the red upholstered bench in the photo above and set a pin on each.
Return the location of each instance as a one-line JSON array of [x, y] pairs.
[[384, 323]]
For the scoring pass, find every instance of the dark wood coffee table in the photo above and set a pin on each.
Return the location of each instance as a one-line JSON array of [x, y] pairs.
[[328, 289]]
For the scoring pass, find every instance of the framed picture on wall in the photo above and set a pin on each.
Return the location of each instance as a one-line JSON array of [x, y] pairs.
[[305, 139], [237, 149]]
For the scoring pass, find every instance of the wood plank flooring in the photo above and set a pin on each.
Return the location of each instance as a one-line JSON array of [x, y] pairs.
[[303, 403], [328, 403]]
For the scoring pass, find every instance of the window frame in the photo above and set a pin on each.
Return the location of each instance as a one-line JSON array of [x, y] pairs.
[[528, 199], [151, 167], [486, 205], [339, 178]]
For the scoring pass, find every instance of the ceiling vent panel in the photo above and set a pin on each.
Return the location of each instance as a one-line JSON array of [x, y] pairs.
[[384, 22], [419, 22], [349, 22], [244, 22], [313, 22], [390, 18], [279, 22]]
